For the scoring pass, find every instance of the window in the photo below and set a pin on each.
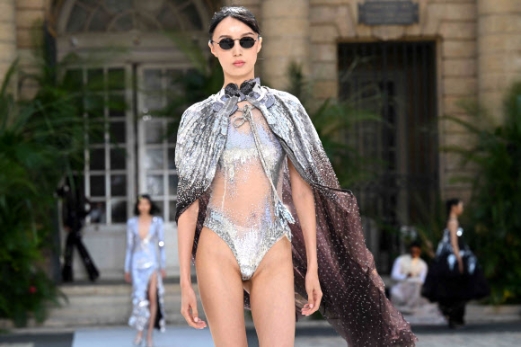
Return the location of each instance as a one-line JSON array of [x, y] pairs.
[[107, 177], [158, 174]]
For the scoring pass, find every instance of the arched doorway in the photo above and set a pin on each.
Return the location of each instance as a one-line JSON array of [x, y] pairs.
[[123, 47]]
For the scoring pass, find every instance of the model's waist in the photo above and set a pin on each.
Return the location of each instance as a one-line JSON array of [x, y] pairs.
[[244, 219], [144, 251]]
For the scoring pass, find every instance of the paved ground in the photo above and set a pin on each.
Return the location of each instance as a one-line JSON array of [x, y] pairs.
[[475, 335]]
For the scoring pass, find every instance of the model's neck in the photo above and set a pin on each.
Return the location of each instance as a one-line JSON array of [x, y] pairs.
[[453, 216], [238, 80]]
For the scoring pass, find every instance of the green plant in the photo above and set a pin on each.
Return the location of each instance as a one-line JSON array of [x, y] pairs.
[[41, 140], [429, 227], [196, 84], [494, 211], [333, 121], [23, 155]]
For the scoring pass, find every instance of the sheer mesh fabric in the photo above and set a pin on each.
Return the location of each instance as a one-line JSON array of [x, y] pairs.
[[241, 207]]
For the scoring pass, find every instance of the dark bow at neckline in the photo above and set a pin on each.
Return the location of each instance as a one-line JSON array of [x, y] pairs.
[[246, 88]]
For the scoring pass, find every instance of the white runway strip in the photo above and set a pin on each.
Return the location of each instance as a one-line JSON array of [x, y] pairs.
[[123, 337]]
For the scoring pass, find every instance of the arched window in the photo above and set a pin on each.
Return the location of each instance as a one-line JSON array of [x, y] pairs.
[[101, 16]]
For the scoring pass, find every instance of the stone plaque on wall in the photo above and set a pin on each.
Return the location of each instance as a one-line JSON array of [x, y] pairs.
[[379, 12]]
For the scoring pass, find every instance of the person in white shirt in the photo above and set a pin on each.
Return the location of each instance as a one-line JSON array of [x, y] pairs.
[[409, 271]]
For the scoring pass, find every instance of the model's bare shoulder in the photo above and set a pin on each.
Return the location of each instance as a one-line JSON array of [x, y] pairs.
[[452, 224]]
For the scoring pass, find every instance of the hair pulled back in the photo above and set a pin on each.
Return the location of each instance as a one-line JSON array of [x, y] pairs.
[[449, 204], [238, 12], [415, 243]]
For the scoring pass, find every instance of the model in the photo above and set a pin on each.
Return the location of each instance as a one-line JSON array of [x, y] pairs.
[[261, 212], [145, 269], [455, 276]]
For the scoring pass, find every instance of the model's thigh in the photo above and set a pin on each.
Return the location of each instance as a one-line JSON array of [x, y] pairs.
[[152, 288], [272, 297], [221, 289]]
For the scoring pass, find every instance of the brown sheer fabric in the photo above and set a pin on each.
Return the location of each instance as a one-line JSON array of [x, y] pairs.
[[354, 301]]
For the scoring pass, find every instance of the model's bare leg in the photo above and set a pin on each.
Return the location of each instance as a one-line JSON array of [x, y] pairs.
[[139, 337], [152, 299], [272, 297], [221, 289]]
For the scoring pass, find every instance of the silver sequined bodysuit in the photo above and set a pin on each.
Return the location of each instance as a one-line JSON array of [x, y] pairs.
[[243, 208]]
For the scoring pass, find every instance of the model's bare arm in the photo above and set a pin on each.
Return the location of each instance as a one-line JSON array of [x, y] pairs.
[[185, 237], [305, 205], [304, 201]]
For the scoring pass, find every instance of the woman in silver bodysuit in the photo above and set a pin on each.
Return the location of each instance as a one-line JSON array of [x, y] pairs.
[[261, 212], [145, 268]]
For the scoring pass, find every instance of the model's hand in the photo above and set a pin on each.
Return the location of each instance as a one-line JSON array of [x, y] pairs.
[[314, 293], [460, 265], [189, 308], [128, 278], [163, 273]]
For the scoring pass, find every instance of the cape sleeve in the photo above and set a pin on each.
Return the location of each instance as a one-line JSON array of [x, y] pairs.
[[354, 299], [187, 170], [183, 135], [199, 137]]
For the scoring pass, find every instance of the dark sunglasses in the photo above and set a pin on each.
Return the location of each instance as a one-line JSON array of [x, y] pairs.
[[226, 44]]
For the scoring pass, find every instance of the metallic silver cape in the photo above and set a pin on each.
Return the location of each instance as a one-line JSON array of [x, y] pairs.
[[354, 301]]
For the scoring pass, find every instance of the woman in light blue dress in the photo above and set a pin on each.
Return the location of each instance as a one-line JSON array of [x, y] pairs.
[[145, 268]]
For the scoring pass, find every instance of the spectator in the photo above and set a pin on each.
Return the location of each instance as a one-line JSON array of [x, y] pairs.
[[409, 271]]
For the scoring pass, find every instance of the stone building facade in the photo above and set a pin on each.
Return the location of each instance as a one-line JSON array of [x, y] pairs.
[[475, 47]]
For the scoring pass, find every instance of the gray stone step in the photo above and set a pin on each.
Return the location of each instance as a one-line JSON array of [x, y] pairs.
[[102, 304]]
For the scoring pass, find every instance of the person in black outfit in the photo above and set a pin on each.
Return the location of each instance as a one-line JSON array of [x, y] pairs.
[[455, 276], [75, 208]]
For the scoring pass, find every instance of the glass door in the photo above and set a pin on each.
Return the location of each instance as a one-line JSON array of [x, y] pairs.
[[109, 158], [156, 139]]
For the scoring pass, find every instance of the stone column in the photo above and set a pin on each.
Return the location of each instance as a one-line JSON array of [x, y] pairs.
[[285, 32], [7, 36], [499, 43]]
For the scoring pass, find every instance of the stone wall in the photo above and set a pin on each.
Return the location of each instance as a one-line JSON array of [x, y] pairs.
[[7, 36], [18, 35], [499, 47], [451, 23], [285, 27], [30, 17]]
